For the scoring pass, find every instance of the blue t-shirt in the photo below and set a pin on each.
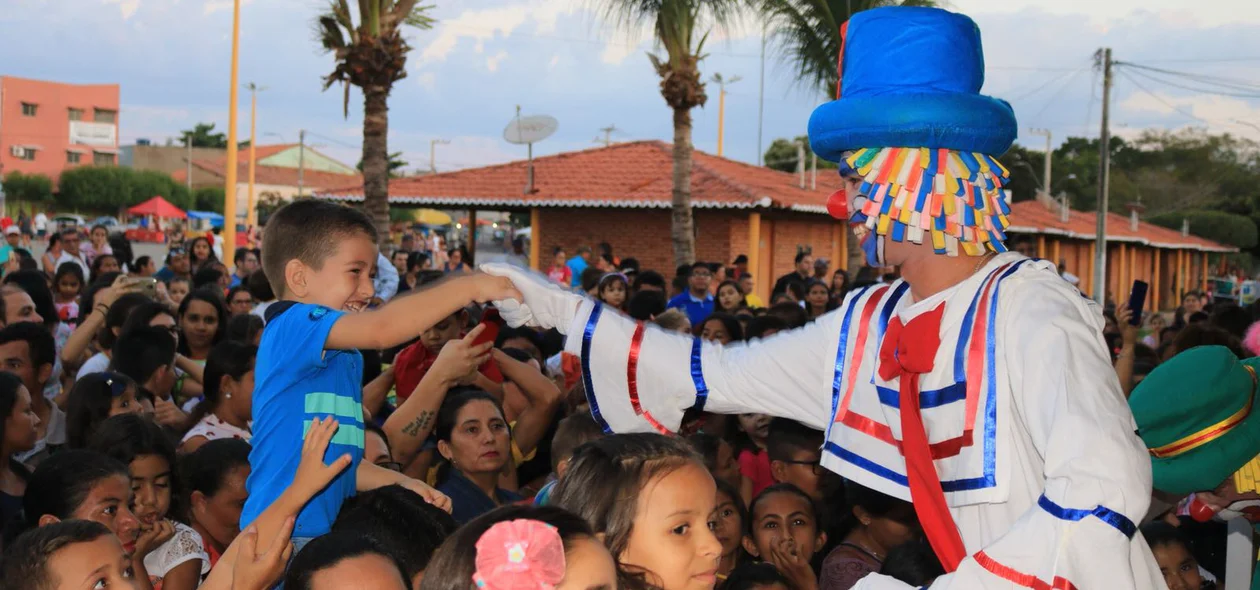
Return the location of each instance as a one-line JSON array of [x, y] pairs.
[[577, 264], [296, 382], [697, 310]]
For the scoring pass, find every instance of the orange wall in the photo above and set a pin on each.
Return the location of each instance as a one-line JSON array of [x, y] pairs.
[[50, 127]]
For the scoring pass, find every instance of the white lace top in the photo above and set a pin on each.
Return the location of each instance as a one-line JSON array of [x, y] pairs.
[[213, 428], [184, 546]]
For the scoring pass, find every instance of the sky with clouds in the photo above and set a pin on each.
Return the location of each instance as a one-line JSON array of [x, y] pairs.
[[485, 57]]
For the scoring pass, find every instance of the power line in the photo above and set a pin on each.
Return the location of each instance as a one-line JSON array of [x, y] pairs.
[[1040, 87], [1192, 88], [1232, 83], [1055, 96], [1160, 99]]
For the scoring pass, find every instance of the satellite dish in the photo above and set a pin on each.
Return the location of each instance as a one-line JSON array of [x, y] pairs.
[[532, 129]]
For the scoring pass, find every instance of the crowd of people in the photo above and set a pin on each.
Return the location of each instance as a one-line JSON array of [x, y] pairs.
[[161, 430]]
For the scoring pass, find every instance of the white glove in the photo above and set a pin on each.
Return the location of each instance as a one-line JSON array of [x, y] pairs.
[[546, 305]]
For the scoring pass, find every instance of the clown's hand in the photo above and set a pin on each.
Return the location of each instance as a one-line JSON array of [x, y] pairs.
[[546, 305]]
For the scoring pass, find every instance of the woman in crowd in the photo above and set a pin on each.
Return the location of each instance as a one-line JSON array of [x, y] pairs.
[[455, 262], [215, 476], [228, 391], [239, 301], [876, 524], [105, 322], [720, 327], [409, 277], [93, 399], [474, 439], [122, 251], [839, 287], [200, 253], [49, 260], [817, 299], [179, 561], [104, 264], [97, 245], [730, 299], [18, 433], [202, 323]]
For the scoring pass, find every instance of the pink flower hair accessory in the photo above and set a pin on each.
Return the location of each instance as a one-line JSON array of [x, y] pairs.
[[520, 554]]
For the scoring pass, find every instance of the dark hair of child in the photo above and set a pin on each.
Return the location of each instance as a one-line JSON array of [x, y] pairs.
[[648, 278], [876, 504], [732, 325], [141, 352], [789, 436], [127, 437], [791, 313], [781, 488], [645, 305], [328, 550], [208, 275], [244, 328], [757, 575], [259, 287], [454, 563], [143, 314], [25, 563], [914, 563], [574, 431], [309, 230], [205, 469], [89, 404], [227, 359], [409, 529], [60, 484], [590, 278], [116, 317], [760, 325], [707, 445]]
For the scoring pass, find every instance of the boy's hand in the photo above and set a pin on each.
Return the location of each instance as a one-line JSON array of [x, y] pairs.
[[312, 474], [458, 361], [488, 287], [427, 492], [540, 302], [255, 571]]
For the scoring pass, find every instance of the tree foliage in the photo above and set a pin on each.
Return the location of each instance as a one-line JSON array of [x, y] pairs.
[[203, 136], [209, 198], [782, 155], [27, 187], [395, 164], [1226, 228], [110, 188]]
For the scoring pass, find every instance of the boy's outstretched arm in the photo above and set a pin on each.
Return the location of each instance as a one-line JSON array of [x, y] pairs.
[[368, 476], [407, 317]]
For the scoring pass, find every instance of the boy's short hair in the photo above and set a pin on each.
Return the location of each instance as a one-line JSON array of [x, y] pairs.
[[308, 230], [756, 575], [139, 353], [645, 305], [649, 278], [409, 529], [25, 563], [789, 436], [41, 347], [590, 278], [572, 432]]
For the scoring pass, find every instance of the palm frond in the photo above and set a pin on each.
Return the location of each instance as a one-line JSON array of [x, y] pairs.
[[419, 18], [341, 12], [329, 33]]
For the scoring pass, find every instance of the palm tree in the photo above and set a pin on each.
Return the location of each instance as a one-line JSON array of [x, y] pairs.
[[675, 25], [807, 33], [371, 55]]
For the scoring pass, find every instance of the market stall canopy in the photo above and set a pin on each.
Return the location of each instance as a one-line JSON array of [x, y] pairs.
[[158, 207], [215, 219], [431, 217]]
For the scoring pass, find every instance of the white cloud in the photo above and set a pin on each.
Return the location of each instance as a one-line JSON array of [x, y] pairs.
[[555, 59], [1220, 112], [1173, 12], [427, 80], [616, 52], [492, 62], [484, 24], [126, 7], [213, 6]]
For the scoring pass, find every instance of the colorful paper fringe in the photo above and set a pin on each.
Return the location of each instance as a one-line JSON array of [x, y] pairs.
[[953, 198]]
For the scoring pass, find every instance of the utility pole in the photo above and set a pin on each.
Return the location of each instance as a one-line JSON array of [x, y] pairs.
[[433, 143], [722, 82], [800, 160], [607, 131], [813, 171], [229, 206], [188, 144], [761, 94], [251, 214], [1048, 185], [301, 158], [1103, 58]]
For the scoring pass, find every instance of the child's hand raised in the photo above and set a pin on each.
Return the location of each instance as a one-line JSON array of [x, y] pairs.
[[312, 474], [255, 571], [458, 361], [538, 302], [430, 495], [153, 537]]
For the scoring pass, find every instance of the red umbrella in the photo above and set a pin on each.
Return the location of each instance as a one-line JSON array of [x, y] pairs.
[[158, 207]]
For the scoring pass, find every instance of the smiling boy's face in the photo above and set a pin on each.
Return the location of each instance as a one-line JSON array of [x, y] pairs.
[[344, 281]]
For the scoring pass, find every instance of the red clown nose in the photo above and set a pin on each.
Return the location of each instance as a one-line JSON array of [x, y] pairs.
[[838, 205]]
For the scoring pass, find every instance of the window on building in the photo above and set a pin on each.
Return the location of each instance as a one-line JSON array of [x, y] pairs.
[[100, 159], [73, 157], [76, 114], [105, 116], [24, 153], [29, 109]]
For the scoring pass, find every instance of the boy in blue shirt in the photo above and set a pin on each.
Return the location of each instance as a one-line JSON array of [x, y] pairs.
[[318, 257]]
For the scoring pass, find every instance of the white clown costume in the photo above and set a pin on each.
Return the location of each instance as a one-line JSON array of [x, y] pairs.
[[991, 405]]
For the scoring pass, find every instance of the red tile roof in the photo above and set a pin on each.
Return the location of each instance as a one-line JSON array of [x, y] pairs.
[[277, 175], [634, 174], [266, 151], [1035, 217]]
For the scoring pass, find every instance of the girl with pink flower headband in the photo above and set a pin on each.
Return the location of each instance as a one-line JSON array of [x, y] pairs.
[[522, 547]]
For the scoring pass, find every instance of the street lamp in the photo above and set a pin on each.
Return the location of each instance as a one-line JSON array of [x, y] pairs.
[[722, 82]]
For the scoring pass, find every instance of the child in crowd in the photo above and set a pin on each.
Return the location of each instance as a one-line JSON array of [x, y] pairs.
[[558, 550], [214, 476], [719, 458], [65, 554], [94, 398], [560, 271], [795, 451], [784, 531], [573, 431], [319, 258], [876, 523], [1172, 552], [613, 290], [756, 576], [147, 355], [68, 286], [179, 561], [913, 563], [344, 560], [177, 289], [754, 461], [407, 528], [730, 520], [225, 410], [673, 320], [650, 498]]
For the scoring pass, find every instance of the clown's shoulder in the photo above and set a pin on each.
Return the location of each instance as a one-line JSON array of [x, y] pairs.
[[1036, 290]]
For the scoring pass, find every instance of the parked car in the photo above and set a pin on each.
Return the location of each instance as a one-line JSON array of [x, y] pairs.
[[68, 220], [110, 222]]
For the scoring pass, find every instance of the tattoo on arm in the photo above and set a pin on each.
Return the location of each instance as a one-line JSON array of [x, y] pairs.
[[420, 423]]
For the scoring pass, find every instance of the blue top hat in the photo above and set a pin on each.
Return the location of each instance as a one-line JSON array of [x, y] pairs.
[[911, 77]]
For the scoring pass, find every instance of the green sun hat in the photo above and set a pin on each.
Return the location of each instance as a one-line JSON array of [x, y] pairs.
[[1195, 414]]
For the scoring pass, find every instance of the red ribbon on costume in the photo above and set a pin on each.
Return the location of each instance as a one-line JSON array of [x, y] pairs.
[[907, 352]]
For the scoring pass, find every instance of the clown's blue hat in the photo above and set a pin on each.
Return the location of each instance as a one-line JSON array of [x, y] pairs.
[[911, 77], [911, 122]]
